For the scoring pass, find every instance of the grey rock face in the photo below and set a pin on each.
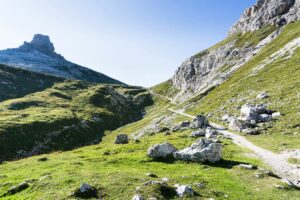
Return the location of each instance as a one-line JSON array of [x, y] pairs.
[[267, 12], [161, 150], [202, 151], [204, 71], [121, 139], [199, 122]]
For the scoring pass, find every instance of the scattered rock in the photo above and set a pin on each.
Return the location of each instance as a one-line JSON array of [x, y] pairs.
[[138, 197], [245, 166], [86, 191], [181, 126], [43, 159], [200, 185], [121, 139], [198, 133], [15, 189], [250, 131], [165, 179], [184, 190], [236, 125], [202, 151], [154, 183], [275, 115], [151, 175], [210, 132], [199, 122], [262, 95], [164, 150]]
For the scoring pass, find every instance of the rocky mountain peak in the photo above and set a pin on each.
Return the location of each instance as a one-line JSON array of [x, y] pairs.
[[267, 12], [41, 43]]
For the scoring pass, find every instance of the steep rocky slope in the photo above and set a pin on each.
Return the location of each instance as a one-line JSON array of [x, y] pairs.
[[258, 26], [15, 82], [65, 116], [39, 56]]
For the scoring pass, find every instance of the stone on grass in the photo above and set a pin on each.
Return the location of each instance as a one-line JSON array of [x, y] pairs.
[[202, 151], [250, 131], [42, 159], [165, 179], [151, 175], [247, 166], [184, 190], [262, 95], [86, 191], [15, 189], [164, 150], [121, 139], [275, 115], [199, 122], [138, 197], [210, 132]]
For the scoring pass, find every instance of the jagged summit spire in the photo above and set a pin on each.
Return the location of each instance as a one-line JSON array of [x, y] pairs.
[[40, 43]]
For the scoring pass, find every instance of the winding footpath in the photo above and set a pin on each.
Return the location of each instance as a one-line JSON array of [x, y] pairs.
[[278, 162]]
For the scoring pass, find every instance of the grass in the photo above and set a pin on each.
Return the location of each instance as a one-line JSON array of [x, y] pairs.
[[17, 83], [116, 170], [295, 161], [67, 115]]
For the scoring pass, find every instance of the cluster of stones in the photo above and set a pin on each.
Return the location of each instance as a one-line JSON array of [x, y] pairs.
[[251, 116]]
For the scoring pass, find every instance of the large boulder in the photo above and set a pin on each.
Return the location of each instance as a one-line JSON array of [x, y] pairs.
[[249, 112], [164, 150], [199, 122], [202, 151], [121, 139]]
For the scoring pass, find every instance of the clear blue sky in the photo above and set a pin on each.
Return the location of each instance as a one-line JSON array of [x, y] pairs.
[[140, 42]]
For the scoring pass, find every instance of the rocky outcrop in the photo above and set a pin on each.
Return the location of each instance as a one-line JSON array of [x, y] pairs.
[[267, 12], [206, 70]]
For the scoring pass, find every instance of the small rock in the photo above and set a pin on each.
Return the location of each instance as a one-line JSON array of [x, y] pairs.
[[161, 150], [236, 125], [245, 166], [281, 187], [43, 159], [263, 95], [121, 139], [86, 191], [151, 175], [184, 190], [210, 132], [200, 185], [165, 179], [154, 183], [138, 197], [198, 133], [138, 189], [18, 188], [250, 131], [275, 115]]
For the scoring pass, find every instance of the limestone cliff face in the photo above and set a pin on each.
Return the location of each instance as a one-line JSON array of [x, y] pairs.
[[211, 67], [267, 12]]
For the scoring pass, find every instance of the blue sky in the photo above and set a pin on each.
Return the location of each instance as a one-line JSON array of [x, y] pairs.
[[140, 42]]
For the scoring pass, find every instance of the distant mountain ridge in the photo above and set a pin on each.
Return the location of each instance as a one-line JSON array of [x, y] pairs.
[[39, 56]]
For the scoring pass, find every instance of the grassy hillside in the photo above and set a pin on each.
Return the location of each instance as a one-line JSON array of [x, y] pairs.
[[280, 79], [15, 82], [67, 115], [116, 170]]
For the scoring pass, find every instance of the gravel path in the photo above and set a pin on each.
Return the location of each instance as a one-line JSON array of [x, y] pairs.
[[278, 162]]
